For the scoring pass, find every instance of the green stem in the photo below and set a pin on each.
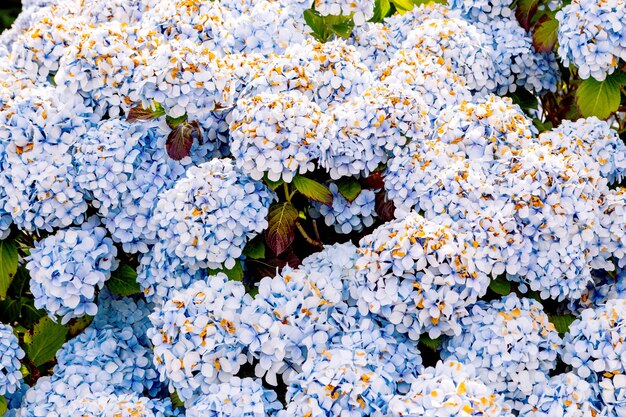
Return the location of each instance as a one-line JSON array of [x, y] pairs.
[[308, 238]]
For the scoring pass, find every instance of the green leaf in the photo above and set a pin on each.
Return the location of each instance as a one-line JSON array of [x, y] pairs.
[[500, 286], [381, 8], [172, 122], [77, 325], [273, 184], [43, 342], [3, 405], [313, 189], [619, 77], [139, 114], [598, 98], [525, 11], [545, 33], [8, 265], [234, 274], [176, 401], [123, 281], [280, 231], [431, 343], [349, 188], [340, 25], [403, 5], [318, 27], [255, 249], [562, 323], [524, 98]]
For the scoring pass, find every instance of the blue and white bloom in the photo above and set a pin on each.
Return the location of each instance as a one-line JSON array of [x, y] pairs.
[[360, 10], [125, 405], [195, 335], [510, 343], [11, 353], [207, 218], [236, 398], [68, 267], [347, 216]]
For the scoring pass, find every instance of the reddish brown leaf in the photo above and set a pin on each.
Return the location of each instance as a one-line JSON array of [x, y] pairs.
[[181, 138], [139, 114], [384, 208], [525, 12], [268, 267], [374, 181], [280, 232], [545, 33]]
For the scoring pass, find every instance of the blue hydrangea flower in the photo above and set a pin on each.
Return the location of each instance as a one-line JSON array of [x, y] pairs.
[[564, 395], [450, 388], [236, 398], [593, 344], [195, 335], [417, 275], [340, 382], [11, 353], [360, 10], [605, 286], [368, 128], [375, 43], [590, 138], [613, 394], [510, 343], [347, 216], [483, 10], [592, 37], [277, 135], [207, 218], [39, 130], [125, 405], [122, 169], [68, 267]]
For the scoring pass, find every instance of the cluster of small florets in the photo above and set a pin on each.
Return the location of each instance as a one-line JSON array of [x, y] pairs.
[[510, 343], [208, 216], [69, 267], [10, 374], [407, 104], [592, 36], [450, 388], [344, 215], [195, 335]]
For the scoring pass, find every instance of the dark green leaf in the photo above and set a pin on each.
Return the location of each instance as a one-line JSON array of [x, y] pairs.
[[255, 249], [542, 127], [273, 184], [234, 274], [562, 323], [8, 265], [431, 343], [77, 325], [123, 281], [524, 98], [181, 138], [349, 188], [313, 189], [282, 222], [172, 122], [176, 401], [598, 98], [545, 33], [525, 11], [139, 114], [500, 286], [3, 405], [43, 342], [318, 27], [619, 77]]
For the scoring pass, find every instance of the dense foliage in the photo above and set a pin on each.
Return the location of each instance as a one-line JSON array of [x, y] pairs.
[[374, 208]]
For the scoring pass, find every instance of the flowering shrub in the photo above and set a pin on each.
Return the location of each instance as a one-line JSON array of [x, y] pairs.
[[313, 208]]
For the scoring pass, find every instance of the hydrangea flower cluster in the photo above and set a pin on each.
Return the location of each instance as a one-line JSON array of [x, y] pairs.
[[347, 216], [238, 398], [511, 344], [458, 193], [450, 388], [591, 36], [68, 267], [207, 218], [10, 375], [195, 335]]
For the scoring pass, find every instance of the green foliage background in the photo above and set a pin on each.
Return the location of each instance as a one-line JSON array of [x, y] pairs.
[[9, 9]]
